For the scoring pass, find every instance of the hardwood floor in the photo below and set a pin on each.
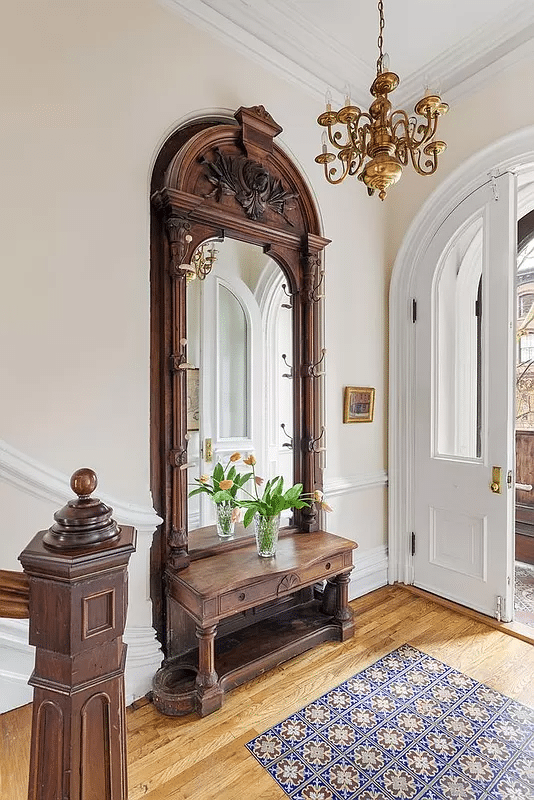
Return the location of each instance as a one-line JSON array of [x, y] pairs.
[[198, 759]]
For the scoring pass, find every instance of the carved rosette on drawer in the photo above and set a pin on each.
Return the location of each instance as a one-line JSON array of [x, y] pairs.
[[288, 583]]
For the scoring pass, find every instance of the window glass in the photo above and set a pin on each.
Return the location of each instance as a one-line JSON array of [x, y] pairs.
[[457, 341]]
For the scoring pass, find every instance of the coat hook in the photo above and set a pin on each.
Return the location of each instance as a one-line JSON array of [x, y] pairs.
[[290, 443]]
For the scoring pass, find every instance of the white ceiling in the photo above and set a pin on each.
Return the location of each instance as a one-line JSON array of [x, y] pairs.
[[444, 44]]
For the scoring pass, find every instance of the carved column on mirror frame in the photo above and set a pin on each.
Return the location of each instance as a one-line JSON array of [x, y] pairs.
[[77, 572], [179, 236], [311, 262]]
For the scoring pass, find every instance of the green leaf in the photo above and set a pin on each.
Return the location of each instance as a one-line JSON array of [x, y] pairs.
[[231, 473], [222, 496], [294, 493], [249, 515], [218, 472], [198, 490]]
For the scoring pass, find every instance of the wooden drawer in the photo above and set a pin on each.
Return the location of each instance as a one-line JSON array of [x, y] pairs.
[[279, 585]]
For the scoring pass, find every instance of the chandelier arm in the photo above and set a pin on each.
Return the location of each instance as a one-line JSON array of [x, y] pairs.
[[355, 165], [431, 163], [329, 172], [425, 130], [334, 139]]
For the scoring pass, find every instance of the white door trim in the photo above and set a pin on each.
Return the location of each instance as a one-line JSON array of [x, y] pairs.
[[511, 153]]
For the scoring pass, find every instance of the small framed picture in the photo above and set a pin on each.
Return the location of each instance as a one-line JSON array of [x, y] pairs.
[[359, 404]]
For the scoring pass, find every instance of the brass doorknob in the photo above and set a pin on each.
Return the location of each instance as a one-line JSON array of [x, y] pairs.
[[495, 487]]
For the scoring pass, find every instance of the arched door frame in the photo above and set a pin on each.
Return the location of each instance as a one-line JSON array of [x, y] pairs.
[[510, 153]]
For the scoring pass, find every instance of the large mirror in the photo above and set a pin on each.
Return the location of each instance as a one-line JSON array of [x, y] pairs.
[[236, 357], [239, 375]]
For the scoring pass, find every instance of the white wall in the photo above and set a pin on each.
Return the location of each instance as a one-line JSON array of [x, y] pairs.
[[90, 89]]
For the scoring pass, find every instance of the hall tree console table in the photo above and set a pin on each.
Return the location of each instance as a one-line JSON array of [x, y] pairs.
[[223, 614], [284, 612]]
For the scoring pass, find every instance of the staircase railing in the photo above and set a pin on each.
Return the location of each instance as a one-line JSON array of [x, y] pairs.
[[14, 595]]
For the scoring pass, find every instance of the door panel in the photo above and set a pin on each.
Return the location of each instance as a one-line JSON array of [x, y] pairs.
[[464, 403]]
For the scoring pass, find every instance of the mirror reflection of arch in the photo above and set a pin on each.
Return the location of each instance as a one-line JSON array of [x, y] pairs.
[[239, 336]]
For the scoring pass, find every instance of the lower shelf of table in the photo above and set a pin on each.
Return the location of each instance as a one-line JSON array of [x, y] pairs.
[[244, 654]]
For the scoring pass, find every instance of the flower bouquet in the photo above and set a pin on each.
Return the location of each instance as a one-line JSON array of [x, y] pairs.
[[265, 510], [223, 487]]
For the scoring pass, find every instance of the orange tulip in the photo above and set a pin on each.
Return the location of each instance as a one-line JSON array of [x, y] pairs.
[[226, 485], [250, 461], [258, 480], [235, 457], [204, 478]]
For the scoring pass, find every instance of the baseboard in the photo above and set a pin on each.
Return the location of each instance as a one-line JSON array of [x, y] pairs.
[[16, 664], [142, 661], [370, 571]]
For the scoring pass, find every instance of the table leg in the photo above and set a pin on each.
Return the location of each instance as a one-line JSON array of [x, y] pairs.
[[209, 694], [344, 615]]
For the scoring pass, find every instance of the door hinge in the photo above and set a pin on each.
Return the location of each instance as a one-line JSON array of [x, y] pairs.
[[414, 310], [413, 543], [509, 477], [499, 608], [495, 189]]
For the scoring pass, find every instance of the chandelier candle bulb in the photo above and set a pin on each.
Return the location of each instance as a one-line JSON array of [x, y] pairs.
[[328, 100]]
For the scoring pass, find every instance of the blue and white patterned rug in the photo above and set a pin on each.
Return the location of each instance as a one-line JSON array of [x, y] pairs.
[[408, 726]]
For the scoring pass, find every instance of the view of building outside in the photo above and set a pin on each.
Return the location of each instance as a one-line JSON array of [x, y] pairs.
[[525, 339]]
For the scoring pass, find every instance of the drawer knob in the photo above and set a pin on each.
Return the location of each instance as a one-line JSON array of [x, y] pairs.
[[242, 596], [327, 565]]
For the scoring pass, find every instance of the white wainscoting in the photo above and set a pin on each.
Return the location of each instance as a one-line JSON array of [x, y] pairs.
[[370, 566]]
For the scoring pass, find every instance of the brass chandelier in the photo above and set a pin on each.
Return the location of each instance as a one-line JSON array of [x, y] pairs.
[[380, 142]]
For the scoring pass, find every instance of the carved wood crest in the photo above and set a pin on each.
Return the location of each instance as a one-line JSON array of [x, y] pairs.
[[252, 185], [288, 582]]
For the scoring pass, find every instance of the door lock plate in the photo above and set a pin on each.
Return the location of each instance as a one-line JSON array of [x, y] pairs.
[[496, 480], [208, 450]]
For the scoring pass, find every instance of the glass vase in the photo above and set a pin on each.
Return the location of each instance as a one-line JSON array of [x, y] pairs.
[[266, 530], [225, 520]]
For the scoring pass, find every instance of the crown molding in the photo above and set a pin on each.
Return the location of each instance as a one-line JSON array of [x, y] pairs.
[[280, 38]]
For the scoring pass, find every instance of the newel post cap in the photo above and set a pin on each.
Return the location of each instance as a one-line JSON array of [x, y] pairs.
[[82, 522]]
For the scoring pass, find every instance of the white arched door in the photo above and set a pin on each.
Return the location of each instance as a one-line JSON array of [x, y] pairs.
[[463, 403]]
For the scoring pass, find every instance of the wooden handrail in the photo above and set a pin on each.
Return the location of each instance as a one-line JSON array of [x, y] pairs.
[[14, 594]]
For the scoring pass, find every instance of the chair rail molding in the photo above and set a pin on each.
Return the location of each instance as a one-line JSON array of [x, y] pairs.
[[513, 153], [354, 483], [144, 653]]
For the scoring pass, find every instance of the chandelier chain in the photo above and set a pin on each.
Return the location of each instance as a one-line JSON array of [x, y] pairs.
[[380, 37]]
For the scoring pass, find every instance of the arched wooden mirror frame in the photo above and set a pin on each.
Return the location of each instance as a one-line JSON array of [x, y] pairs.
[[217, 178]]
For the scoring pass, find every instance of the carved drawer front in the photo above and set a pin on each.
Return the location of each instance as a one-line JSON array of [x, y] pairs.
[[248, 596], [327, 568], [262, 591]]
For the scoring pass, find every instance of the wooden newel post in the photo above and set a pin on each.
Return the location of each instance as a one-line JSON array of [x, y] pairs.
[[78, 599]]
